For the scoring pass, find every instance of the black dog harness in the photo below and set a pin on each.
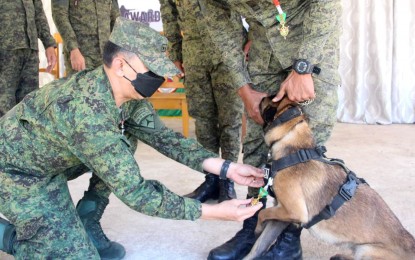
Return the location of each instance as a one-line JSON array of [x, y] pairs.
[[346, 190]]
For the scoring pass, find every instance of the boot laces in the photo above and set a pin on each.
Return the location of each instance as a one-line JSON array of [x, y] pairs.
[[96, 228]]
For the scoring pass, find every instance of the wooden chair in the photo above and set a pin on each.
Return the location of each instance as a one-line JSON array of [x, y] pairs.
[[59, 47], [166, 99]]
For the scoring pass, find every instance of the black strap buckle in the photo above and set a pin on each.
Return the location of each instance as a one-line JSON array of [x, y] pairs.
[[304, 155], [349, 188], [321, 150], [267, 170]]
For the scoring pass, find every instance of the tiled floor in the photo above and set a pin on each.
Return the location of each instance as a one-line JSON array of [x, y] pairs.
[[383, 155]]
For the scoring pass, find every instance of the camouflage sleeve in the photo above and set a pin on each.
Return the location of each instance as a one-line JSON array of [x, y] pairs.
[[60, 14], [217, 18], [107, 153], [115, 12], [320, 23], [42, 25], [172, 31], [145, 124]]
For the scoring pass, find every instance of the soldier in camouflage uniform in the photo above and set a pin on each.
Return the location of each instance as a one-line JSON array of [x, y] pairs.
[[314, 37], [85, 26], [213, 103], [22, 24], [68, 127]]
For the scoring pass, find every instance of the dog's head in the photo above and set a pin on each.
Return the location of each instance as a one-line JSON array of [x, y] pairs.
[[279, 117], [275, 113]]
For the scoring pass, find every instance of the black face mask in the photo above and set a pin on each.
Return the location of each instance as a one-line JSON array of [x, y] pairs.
[[146, 83]]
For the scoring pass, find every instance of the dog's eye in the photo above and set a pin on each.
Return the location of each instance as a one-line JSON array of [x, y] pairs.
[[269, 113]]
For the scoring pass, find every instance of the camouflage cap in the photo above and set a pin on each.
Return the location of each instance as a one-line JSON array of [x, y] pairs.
[[146, 42]]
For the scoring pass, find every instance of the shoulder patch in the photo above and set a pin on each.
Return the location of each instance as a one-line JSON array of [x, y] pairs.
[[143, 116], [147, 122]]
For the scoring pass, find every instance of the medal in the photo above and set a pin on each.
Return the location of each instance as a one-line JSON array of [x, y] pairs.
[[262, 193], [281, 16]]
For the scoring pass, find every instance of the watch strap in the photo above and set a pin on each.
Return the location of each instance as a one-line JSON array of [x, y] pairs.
[[224, 170], [313, 69]]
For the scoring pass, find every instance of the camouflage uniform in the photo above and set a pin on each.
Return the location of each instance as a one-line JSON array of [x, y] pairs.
[[22, 23], [212, 101], [314, 35], [87, 24], [60, 131], [84, 24]]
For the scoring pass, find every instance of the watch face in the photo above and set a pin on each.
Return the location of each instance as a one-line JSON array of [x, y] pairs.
[[301, 66]]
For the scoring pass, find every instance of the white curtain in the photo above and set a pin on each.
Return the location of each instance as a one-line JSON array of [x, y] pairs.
[[377, 62]]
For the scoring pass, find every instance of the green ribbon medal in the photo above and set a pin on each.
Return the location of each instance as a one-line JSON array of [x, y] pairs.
[[281, 16]]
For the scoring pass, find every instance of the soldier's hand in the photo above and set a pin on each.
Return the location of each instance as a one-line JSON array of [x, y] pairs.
[[242, 174], [297, 87], [236, 210], [251, 99], [51, 58], [246, 175], [179, 65], [77, 60]]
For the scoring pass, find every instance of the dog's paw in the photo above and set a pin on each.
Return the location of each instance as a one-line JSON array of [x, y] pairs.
[[341, 257]]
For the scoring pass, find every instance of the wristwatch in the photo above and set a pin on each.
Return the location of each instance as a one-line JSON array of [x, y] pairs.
[[303, 66]]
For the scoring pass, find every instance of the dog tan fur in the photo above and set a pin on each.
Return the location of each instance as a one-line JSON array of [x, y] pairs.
[[365, 223]]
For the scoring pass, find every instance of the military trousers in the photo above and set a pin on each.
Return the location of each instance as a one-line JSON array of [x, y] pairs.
[[321, 114], [19, 70], [216, 107], [46, 221]]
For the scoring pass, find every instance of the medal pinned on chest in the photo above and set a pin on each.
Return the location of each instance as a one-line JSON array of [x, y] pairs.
[[281, 17]]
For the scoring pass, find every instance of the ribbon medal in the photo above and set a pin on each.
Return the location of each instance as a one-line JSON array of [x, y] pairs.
[[262, 193], [281, 16]]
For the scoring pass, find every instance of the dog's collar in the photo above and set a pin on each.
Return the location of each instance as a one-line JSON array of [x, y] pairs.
[[286, 116]]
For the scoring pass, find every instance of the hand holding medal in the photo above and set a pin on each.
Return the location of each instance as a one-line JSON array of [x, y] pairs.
[[281, 16]]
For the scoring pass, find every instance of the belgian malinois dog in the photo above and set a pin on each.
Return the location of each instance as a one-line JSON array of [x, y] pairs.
[[322, 194]]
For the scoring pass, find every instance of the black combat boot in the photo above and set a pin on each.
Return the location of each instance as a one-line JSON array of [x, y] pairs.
[[208, 190], [241, 244], [226, 190], [287, 246], [7, 236], [90, 209]]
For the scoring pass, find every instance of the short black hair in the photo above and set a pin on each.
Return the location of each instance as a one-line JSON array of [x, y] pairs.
[[111, 50]]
